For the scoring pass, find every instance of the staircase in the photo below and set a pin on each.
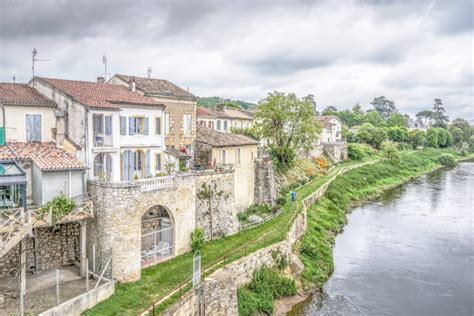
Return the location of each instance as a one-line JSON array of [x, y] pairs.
[[15, 224]]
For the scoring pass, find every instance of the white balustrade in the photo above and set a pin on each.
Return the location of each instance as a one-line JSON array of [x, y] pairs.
[[157, 183]]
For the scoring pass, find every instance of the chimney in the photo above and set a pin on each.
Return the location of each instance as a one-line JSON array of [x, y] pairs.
[[100, 80], [132, 86], [148, 72], [60, 126]]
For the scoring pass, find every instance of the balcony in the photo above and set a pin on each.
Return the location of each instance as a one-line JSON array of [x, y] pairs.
[[102, 140], [157, 183]]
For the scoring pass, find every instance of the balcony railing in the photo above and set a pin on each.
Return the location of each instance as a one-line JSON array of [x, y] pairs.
[[101, 140], [157, 183]]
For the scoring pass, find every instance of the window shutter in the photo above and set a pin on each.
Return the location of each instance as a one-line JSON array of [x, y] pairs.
[[123, 125], [108, 125], [125, 169], [131, 126], [158, 162], [131, 165], [146, 126], [30, 125], [148, 163], [158, 126]]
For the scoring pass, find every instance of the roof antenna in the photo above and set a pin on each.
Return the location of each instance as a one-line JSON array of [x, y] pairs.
[[148, 72], [34, 59], [14, 79]]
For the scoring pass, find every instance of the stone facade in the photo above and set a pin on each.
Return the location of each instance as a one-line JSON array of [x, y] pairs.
[[215, 204], [265, 190], [336, 151], [55, 247]]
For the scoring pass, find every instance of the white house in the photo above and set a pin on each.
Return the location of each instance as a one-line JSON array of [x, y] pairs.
[[331, 129], [116, 132], [223, 118]]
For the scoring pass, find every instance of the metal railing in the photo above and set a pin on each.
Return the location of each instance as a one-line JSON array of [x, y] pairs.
[[157, 183], [102, 140]]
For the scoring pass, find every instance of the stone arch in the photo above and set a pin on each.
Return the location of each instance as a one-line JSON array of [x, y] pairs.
[[158, 238]]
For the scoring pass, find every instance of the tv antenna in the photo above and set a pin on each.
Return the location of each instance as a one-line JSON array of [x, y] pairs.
[[34, 59], [104, 61]]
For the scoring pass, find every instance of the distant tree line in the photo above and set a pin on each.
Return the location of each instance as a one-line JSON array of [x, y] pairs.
[[214, 102]]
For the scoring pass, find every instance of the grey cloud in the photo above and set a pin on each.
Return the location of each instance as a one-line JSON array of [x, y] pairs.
[[284, 63]]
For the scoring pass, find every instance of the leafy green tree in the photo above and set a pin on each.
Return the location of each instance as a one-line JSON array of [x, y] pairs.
[[439, 118], [384, 106], [457, 134], [424, 117], [390, 151], [416, 138], [397, 134], [364, 133], [379, 135], [330, 110], [351, 118], [442, 137], [397, 119], [432, 137], [288, 123], [357, 109], [463, 125], [374, 118]]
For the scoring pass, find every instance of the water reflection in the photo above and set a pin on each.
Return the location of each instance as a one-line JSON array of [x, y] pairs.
[[409, 253]]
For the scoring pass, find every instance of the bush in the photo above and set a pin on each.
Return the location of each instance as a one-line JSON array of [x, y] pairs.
[[321, 161], [447, 160], [390, 151], [355, 152], [255, 209], [281, 201], [197, 239], [60, 206], [310, 172]]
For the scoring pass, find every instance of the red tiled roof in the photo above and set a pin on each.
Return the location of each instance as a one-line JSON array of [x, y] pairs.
[[22, 94], [100, 95], [204, 112], [45, 155], [224, 113], [219, 139]]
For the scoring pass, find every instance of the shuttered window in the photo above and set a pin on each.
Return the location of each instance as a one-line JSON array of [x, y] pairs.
[[158, 162], [187, 124], [157, 125], [33, 127], [123, 125]]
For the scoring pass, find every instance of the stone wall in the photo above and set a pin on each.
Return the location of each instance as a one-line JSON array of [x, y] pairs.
[[55, 247], [336, 151], [266, 190], [215, 204]]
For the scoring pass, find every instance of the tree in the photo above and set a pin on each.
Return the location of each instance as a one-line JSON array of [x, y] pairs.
[[350, 118], [379, 135], [330, 110], [439, 118], [443, 138], [288, 123], [424, 117], [384, 106], [458, 135], [397, 119], [374, 118], [463, 125], [364, 134], [397, 134], [390, 151], [357, 109], [432, 137], [416, 138]]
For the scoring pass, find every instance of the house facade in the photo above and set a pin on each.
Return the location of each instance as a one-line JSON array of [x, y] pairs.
[[223, 118], [332, 129], [118, 133], [179, 118], [227, 151]]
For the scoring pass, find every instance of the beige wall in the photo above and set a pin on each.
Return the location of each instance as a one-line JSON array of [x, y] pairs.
[[15, 121], [244, 172]]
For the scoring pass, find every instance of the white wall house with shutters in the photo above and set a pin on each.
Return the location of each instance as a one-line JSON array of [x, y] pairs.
[[126, 145]]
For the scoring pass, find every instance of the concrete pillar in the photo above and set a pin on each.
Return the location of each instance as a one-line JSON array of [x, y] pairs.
[[83, 244], [22, 268]]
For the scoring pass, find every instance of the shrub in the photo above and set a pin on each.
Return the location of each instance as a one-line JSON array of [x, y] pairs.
[[355, 152], [447, 160], [390, 151], [197, 239], [281, 201], [310, 172], [322, 163], [416, 138], [60, 206]]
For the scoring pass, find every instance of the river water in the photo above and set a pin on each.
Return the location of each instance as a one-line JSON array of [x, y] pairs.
[[409, 253]]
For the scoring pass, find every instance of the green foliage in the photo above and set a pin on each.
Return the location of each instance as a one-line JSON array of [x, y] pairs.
[[355, 152], [432, 137], [416, 138], [457, 135], [397, 119], [289, 123], [374, 118], [447, 160], [249, 132], [439, 119], [214, 102], [384, 107], [60, 206], [397, 134], [351, 137], [267, 285], [464, 126], [390, 151], [330, 110], [255, 209], [379, 135], [197, 239], [424, 116]]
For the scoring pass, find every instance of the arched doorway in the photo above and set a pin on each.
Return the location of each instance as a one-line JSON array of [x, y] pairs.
[[157, 235]]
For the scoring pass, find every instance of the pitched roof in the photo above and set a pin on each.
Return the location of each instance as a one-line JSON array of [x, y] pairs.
[[100, 95], [154, 86], [22, 94], [205, 112], [218, 139], [45, 155], [326, 119], [224, 112]]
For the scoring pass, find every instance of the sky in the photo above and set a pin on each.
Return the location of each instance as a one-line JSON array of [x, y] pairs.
[[342, 52]]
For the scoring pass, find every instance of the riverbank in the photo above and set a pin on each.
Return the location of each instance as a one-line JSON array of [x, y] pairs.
[[327, 217]]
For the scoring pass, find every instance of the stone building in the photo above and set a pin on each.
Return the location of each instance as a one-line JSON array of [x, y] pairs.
[[330, 141], [180, 113], [223, 118], [221, 151]]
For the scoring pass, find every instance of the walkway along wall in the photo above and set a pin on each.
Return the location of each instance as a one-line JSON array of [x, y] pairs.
[[218, 293]]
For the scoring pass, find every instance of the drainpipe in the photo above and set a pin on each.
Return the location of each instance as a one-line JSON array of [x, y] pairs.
[[4, 127], [70, 184]]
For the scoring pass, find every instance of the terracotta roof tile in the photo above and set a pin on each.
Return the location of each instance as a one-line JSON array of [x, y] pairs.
[[46, 156], [100, 95], [224, 113], [218, 139], [156, 86], [22, 94]]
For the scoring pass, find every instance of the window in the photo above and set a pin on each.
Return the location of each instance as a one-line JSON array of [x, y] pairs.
[[33, 127], [102, 125], [138, 160], [223, 156], [103, 167], [238, 157], [157, 125], [211, 124], [158, 162], [225, 125], [187, 124], [167, 124], [123, 125], [218, 125], [138, 125]]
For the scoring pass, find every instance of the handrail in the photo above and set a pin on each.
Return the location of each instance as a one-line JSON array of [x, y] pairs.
[[157, 183]]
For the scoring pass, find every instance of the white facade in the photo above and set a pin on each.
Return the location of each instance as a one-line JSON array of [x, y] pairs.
[[331, 131], [16, 118]]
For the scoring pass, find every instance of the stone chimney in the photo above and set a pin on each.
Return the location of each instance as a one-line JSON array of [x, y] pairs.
[[100, 80], [132, 85], [148, 72]]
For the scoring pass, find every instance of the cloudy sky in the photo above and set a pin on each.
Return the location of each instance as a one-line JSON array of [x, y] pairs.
[[343, 52]]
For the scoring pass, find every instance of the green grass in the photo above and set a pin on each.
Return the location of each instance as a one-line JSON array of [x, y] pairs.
[[327, 216], [161, 279]]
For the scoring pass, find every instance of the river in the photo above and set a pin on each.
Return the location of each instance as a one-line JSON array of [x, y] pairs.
[[411, 252]]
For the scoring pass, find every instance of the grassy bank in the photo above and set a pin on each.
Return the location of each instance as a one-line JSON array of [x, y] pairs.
[[327, 217]]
